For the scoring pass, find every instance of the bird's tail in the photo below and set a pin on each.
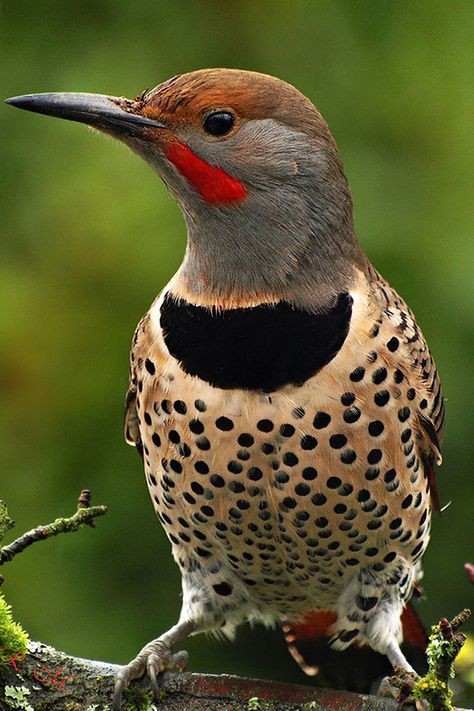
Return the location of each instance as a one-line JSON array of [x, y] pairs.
[[357, 668]]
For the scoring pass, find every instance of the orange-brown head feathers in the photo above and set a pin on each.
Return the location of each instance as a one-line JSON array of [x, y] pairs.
[[249, 95]]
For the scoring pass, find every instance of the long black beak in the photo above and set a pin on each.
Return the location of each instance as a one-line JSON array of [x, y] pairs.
[[104, 112]]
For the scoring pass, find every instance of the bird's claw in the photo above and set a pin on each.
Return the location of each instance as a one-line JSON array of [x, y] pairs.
[[155, 658], [399, 687]]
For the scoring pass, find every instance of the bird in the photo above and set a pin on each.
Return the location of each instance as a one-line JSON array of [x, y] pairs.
[[282, 395]]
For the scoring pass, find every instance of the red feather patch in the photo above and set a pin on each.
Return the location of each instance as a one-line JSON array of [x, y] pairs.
[[355, 668], [212, 183], [413, 631]]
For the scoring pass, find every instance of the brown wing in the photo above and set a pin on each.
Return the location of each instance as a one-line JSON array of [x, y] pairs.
[[132, 430], [431, 407], [431, 404], [132, 424]]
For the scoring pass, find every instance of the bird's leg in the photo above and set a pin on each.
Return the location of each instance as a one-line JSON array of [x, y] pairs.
[[155, 657], [371, 613], [397, 659], [400, 685]]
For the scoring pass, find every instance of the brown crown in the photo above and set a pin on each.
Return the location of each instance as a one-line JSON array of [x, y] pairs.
[[251, 95]]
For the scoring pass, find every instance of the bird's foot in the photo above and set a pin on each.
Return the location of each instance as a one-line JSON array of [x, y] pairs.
[[399, 687], [154, 658]]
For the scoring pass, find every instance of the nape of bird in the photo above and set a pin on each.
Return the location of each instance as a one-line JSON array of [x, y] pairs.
[[282, 395]]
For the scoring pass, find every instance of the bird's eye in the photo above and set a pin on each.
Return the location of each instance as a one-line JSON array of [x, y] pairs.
[[218, 123]]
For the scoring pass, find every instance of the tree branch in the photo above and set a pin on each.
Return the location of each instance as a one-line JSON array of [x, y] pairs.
[[56, 682], [84, 515]]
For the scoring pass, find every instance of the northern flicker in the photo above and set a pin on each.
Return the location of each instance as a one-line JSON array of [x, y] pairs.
[[282, 395]]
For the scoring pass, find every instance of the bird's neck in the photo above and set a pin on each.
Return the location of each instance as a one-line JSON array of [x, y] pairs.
[[241, 263]]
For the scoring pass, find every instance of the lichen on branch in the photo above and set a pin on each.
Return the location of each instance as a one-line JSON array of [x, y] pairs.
[[443, 647]]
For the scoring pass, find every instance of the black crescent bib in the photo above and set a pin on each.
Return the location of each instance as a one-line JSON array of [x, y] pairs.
[[261, 348]]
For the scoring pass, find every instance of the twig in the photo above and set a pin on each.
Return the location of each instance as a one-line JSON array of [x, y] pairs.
[[444, 646], [84, 515]]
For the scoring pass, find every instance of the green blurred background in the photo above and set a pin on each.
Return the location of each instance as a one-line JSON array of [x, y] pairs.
[[89, 236]]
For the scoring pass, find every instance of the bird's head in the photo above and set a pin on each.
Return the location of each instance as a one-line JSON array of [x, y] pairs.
[[255, 170]]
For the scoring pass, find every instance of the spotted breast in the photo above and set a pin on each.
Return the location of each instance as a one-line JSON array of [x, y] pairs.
[[314, 494]]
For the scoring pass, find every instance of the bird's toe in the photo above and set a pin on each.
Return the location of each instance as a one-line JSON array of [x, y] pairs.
[[155, 658]]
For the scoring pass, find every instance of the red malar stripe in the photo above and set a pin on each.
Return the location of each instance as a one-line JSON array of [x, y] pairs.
[[212, 183]]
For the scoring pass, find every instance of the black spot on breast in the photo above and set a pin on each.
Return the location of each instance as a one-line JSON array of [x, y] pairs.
[[302, 489], [224, 424], [265, 425], [348, 456], [203, 443], [347, 398], [374, 456], [321, 420], [255, 474], [379, 375], [180, 407], [372, 473], [259, 348], [308, 442], [345, 489], [376, 428], [337, 441], [381, 398], [357, 374], [234, 467], [403, 414], [351, 414], [363, 495], [223, 589], [196, 426], [150, 366], [389, 475]]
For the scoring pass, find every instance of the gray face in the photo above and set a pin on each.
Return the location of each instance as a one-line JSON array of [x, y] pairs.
[[293, 232]]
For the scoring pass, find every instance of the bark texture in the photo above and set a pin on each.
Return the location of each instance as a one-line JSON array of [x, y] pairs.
[[58, 682]]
